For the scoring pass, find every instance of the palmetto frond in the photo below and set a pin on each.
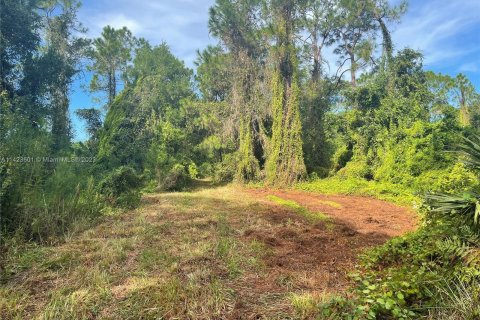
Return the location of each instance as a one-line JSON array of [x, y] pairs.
[[467, 205], [470, 149]]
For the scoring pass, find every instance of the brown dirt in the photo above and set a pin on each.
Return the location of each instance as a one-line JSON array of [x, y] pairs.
[[362, 214], [315, 258]]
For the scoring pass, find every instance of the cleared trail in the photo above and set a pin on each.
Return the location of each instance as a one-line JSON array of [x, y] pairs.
[[216, 253]]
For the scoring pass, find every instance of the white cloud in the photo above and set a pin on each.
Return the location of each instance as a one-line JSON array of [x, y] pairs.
[[98, 21], [470, 67], [433, 27], [183, 24], [429, 26]]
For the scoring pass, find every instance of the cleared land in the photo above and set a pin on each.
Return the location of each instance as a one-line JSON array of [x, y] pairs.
[[214, 253]]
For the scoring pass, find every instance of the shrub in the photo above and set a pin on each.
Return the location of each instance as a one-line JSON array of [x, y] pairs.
[[357, 168], [457, 179], [121, 187], [225, 171], [65, 201], [192, 170], [177, 178]]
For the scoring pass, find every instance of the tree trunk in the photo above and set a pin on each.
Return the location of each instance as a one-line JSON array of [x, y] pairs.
[[353, 70]]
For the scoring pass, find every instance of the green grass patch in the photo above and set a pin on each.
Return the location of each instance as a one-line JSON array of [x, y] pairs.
[[23, 257], [226, 248], [332, 204], [311, 216]]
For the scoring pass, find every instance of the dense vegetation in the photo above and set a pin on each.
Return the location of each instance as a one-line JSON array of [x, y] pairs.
[[263, 106]]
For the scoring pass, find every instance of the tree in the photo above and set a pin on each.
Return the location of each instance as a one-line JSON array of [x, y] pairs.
[[466, 97], [110, 56], [19, 37], [237, 25], [213, 73], [383, 13], [64, 50], [317, 17], [145, 128], [317, 25], [93, 118], [285, 163], [353, 33]]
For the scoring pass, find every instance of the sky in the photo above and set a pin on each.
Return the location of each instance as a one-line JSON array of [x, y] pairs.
[[447, 32]]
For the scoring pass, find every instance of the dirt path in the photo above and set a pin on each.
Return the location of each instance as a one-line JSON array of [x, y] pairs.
[[222, 253]]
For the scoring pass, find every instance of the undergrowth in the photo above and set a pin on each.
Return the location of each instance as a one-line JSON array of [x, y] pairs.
[[356, 186], [433, 272]]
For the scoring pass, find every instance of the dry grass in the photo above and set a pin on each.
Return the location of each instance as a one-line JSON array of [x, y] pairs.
[[216, 253]]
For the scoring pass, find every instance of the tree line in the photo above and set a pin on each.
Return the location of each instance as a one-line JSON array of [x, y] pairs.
[[267, 103]]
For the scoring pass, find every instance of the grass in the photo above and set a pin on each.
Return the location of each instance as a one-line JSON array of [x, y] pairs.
[[332, 204], [311, 216], [175, 259], [455, 301], [179, 256]]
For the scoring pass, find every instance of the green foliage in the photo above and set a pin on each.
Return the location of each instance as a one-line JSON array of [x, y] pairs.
[[248, 167], [396, 133], [110, 55], [225, 171], [265, 110], [154, 126], [358, 186], [465, 205], [19, 38], [318, 148], [408, 276], [285, 163], [213, 74], [457, 179], [121, 187], [433, 268]]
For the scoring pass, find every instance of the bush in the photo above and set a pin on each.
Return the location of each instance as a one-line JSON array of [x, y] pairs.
[[65, 201], [356, 169], [205, 170], [192, 171], [121, 187], [457, 179], [225, 171], [177, 178]]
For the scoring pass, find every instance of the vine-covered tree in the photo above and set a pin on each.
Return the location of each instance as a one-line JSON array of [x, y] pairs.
[[237, 25], [285, 164]]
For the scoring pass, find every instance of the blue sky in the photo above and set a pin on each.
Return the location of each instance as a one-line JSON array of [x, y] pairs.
[[446, 31]]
